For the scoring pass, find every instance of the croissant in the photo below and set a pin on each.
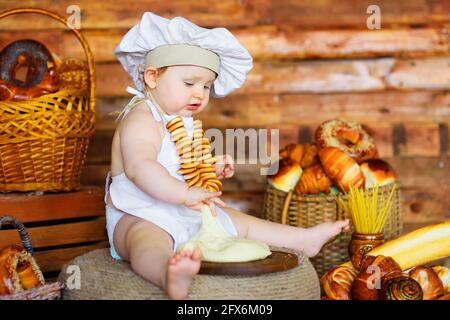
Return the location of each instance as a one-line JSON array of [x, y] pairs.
[[443, 274], [336, 283], [429, 282], [293, 151], [18, 271], [444, 297], [313, 181], [341, 168], [310, 155], [397, 286]]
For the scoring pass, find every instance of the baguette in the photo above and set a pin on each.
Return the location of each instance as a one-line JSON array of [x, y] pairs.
[[418, 247]]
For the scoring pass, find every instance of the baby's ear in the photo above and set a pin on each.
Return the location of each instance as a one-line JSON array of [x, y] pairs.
[[150, 75]]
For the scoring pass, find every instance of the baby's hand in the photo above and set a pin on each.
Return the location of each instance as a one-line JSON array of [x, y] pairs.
[[197, 197], [224, 166]]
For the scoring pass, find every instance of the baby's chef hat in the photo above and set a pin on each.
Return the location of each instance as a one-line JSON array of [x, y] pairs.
[[160, 42]]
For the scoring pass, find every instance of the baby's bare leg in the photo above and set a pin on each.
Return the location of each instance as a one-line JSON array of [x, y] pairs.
[[307, 240], [149, 250]]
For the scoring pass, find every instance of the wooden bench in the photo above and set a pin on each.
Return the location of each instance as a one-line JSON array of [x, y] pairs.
[[62, 226]]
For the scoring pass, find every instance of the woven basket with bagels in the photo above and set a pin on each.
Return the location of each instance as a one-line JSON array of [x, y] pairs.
[[311, 177]]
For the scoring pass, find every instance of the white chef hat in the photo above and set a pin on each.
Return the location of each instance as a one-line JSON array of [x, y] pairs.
[[160, 42]]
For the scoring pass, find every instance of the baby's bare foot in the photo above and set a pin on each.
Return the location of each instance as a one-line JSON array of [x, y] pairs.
[[320, 234], [181, 269]]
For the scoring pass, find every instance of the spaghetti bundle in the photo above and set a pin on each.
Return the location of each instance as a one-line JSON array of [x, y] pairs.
[[367, 214]]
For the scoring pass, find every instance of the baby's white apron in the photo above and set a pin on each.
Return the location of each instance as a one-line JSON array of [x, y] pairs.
[[179, 221]]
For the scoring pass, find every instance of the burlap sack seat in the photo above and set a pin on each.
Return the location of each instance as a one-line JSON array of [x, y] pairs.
[[104, 278]]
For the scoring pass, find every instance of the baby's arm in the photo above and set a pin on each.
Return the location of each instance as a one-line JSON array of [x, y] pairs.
[[140, 142]]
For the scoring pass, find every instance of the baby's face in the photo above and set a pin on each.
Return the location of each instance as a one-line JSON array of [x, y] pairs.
[[184, 90]]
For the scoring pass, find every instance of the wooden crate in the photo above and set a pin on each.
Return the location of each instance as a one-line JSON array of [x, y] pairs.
[[61, 226]]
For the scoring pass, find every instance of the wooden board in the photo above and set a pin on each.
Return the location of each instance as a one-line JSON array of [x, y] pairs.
[[307, 14], [268, 42], [61, 225], [277, 261]]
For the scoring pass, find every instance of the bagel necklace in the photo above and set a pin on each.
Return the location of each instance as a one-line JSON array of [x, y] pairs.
[[196, 160]]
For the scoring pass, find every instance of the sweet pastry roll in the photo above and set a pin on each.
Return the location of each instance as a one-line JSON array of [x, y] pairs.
[[337, 282], [377, 172], [368, 282], [288, 175], [18, 271], [347, 136], [429, 281], [397, 286]]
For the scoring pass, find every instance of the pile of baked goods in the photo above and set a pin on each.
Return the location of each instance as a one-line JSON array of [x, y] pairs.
[[28, 70], [396, 270], [196, 160], [342, 155], [18, 271]]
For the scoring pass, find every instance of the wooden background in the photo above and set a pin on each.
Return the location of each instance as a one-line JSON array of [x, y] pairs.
[[314, 61]]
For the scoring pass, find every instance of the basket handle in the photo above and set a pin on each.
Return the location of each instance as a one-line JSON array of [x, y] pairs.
[[24, 236], [80, 37], [287, 202]]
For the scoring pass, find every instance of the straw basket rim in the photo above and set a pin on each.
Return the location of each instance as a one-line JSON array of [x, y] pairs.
[[47, 291]]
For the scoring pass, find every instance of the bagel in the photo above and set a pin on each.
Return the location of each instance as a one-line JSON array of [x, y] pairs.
[[27, 70], [347, 136], [193, 180], [188, 165], [175, 126], [173, 121], [179, 136], [178, 131]]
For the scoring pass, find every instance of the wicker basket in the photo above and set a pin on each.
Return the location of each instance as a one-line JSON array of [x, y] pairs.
[[309, 210], [50, 291], [43, 141]]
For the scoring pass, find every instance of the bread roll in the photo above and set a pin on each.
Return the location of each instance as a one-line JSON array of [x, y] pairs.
[[336, 283], [429, 281], [341, 168], [377, 171], [313, 181], [368, 282], [288, 174]]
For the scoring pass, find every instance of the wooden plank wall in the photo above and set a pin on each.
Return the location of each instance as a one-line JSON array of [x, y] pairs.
[[314, 60]]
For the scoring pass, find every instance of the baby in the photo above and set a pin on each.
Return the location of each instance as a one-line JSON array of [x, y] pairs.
[[150, 209]]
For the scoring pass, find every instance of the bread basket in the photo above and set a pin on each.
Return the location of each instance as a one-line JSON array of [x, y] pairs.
[[50, 291], [43, 141], [309, 210]]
